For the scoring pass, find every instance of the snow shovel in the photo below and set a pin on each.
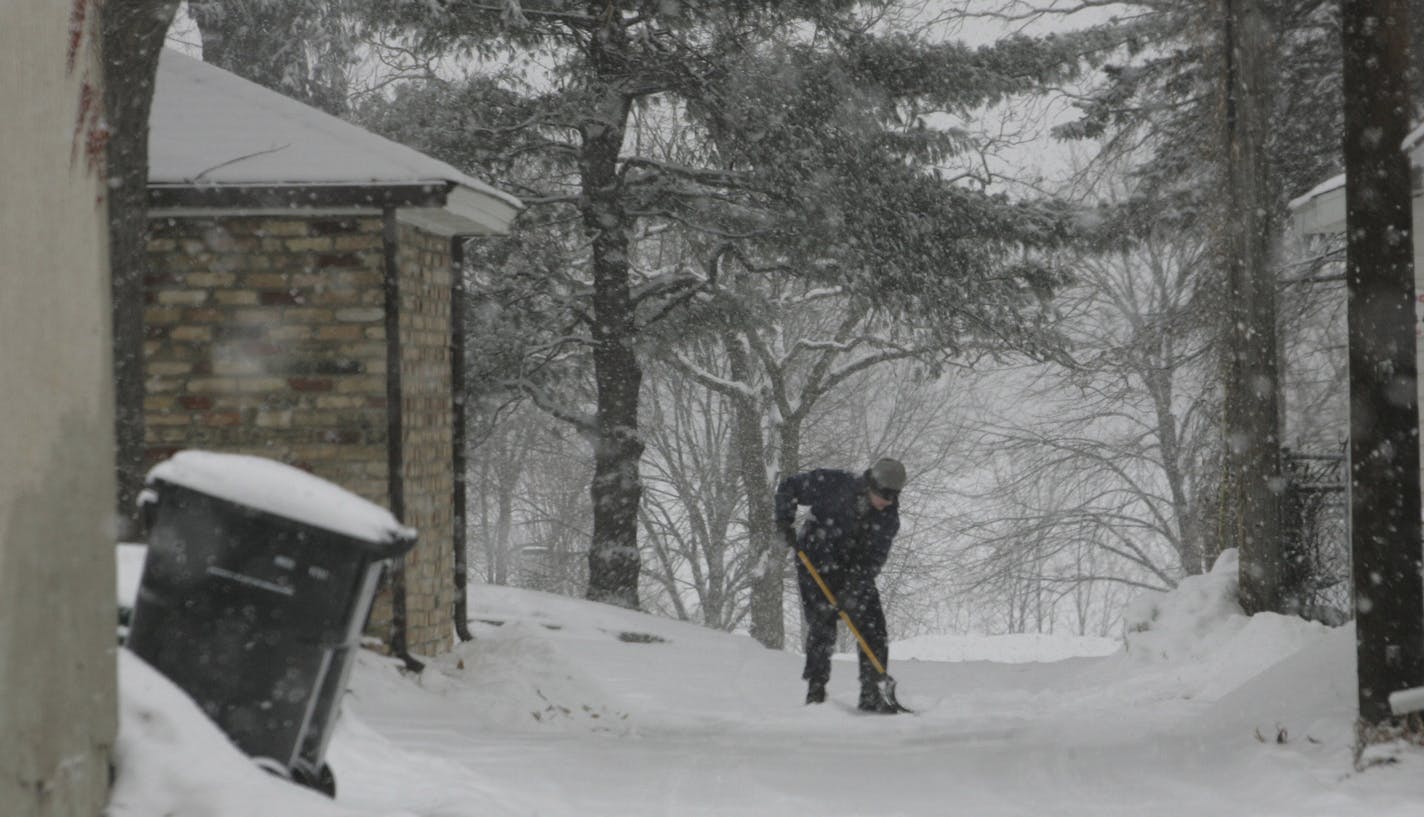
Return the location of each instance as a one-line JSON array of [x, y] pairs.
[[886, 684]]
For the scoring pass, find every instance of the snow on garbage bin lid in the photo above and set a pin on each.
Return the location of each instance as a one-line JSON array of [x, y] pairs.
[[281, 490]]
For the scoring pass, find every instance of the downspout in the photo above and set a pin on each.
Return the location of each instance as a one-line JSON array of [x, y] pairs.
[[395, 449], [457, 389]]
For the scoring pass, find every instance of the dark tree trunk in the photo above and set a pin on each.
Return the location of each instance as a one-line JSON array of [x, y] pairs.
[[503, 524], [1252, 407], [789, 450], [395, 432], [1416, 62], [1384, 417], [486, 533], [768, 550], [613, 557], [133, 32], [1159, 386], [459, 465]]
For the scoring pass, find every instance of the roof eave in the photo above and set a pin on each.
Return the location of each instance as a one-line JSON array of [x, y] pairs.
[[267, 196], [490, 215], [438, 206], [467, 211], [1322, 211]]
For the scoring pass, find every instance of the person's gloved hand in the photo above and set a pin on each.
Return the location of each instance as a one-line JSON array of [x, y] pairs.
[[788, 533]]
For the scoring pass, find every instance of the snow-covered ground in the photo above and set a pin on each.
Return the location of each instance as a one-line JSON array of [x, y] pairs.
[[564, 707]]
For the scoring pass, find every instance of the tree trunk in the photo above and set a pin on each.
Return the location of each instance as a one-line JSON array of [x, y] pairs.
[[133, 32], [613, 558], [1159, 388], [788, 441], [482, 492], [768, 625], [503, 524], [459, 462], [1384, 417], [1252, 402]]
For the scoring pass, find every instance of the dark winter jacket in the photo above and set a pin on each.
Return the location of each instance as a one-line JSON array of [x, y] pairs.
[[842, 534]]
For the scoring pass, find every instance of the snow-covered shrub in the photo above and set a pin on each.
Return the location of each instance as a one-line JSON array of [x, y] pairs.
[[1180, 623]]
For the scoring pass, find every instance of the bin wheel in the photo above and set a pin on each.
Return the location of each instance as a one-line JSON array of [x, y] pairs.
[[326, 781], [273, 767], [323, 781]]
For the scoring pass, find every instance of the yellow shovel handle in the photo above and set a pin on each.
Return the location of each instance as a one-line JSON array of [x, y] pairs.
[[831, 597]]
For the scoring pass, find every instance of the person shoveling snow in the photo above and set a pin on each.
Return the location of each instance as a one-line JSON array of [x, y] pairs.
[[840, 551]]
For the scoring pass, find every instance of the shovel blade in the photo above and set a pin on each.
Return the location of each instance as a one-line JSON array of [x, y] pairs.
[[887, 694]]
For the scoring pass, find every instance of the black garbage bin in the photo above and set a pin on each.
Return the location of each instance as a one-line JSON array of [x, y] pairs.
[[257, 585]]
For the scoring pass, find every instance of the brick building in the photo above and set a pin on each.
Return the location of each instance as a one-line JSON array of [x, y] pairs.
[[299, 308]]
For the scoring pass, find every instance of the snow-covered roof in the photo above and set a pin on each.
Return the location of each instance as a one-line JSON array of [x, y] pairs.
[[281, 490], [214, 131], [1322, 209]]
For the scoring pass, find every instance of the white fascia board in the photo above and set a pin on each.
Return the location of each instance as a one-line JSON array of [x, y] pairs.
[[434, 220], [1322, 210], [1324, 214], [492, 213], [466, 212]]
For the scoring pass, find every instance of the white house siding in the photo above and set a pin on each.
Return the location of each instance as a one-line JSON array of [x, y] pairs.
[[1415, 145], [1322, 212], [57, 614]]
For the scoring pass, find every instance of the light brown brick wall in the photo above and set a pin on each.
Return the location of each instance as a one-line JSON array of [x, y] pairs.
[[428, 429], [266, 336]]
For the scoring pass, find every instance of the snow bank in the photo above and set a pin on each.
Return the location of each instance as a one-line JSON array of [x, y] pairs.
[[171, 759], [282, 490], [1314, 686], [128, 573], [1200, 624]]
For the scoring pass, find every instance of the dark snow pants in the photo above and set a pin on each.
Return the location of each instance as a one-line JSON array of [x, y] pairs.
[[860, 599]]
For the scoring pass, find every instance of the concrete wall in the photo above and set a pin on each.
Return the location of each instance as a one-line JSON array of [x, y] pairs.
[[57, 600]]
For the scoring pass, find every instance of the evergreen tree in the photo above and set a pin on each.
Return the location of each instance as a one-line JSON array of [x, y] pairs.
[[1232, 108], [301, 49], [1163, 101], [809, 153]]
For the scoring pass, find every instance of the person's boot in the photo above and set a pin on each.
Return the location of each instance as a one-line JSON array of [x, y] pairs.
[[816, 692], [872, 701]]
